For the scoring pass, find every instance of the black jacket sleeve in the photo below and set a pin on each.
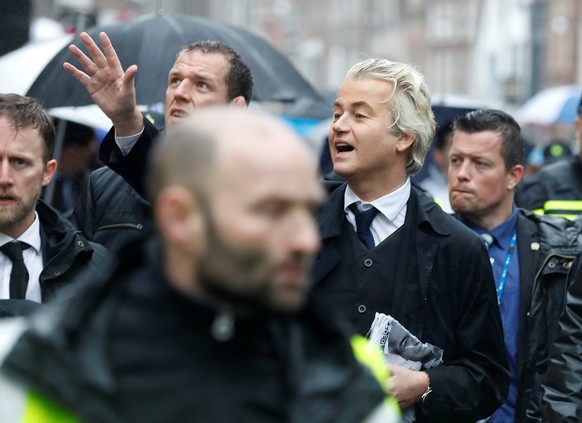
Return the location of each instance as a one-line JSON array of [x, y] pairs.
[[531, 193], [132, 167], [562, 402]]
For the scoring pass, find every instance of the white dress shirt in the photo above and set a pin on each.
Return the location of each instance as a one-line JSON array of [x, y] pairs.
[[391, 211], [32, 260], [125, 144]]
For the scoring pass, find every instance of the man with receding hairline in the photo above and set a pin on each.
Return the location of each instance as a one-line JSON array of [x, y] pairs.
[[388, 248], [211, 319]]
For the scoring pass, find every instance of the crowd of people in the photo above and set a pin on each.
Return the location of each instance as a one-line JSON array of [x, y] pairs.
[[209, 273]]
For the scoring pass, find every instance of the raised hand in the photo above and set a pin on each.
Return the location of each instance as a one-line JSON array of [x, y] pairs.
[[112, 89]]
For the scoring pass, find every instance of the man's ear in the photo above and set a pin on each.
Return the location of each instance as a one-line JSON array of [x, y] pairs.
[[49, 171], [514, 176], [180, 219], [239, 102], [404, 142]]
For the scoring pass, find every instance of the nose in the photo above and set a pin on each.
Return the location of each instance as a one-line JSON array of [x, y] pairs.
[[183, 91], [339, 125], [304, 235], [463, 171], [5, 173]]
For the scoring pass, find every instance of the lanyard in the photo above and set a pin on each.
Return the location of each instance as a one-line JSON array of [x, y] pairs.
[[506, 266]]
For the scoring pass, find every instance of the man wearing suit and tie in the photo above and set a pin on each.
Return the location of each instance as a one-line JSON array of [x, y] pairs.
[[40, 250], [410, 259], [530, 254]]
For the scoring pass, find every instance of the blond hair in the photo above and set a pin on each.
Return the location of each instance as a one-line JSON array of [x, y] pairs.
[[409, 103]]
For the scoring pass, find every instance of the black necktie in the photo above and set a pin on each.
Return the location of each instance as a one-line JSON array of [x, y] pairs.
[[19, 274], [487, 239], [363, 222]]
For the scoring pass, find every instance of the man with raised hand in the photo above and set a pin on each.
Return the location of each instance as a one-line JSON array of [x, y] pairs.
[[205, 73]]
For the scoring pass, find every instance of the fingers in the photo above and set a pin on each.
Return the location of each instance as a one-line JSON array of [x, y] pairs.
[[129, 76], [85, 62], [94, 50], [82, 77], [99, 59], [109, 52]]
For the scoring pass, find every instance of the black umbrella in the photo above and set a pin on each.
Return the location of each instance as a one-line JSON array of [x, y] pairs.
[[152, 42]]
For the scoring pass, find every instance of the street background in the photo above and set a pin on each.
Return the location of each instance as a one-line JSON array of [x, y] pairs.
[[495, 53]]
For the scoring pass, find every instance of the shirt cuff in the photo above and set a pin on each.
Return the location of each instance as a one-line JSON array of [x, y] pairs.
[[125, 144]]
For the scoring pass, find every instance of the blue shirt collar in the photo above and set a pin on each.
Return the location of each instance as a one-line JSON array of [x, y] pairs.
[[502, 233]]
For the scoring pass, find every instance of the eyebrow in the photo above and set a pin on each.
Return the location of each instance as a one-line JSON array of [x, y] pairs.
[[197, 75], [360, 103]]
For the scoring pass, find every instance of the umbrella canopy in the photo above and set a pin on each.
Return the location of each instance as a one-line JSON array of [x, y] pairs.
[[152, 42], [447, 107], [19, 68], [557, 105]]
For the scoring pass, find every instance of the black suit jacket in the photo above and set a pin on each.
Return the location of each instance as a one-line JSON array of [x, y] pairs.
[[460, 312]]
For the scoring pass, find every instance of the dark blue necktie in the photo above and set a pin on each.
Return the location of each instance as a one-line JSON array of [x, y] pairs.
[[19, 274], [363, 222]]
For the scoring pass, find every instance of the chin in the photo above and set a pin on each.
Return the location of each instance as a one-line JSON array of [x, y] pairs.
[[288, 303], [342, 171]]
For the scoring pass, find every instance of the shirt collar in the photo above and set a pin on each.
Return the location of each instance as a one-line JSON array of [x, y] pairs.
[[31, 236], [389, 205], [501, 233]]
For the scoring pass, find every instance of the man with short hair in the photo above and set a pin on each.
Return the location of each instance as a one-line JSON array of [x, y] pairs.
[[40, 252], [78, 158], [211, 319], [205, 73], [530, 254], [387, 247], [557, 188]]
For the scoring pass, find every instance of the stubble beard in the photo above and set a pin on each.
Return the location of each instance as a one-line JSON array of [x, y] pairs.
[[241, 275], [11, 216]]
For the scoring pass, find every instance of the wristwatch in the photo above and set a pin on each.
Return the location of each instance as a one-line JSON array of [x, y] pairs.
[[426, 398]]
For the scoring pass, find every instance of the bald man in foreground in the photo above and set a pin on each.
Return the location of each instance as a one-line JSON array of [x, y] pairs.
[[209, 320]]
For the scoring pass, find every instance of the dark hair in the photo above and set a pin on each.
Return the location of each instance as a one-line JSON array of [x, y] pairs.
[[27, 112], [442, 134], [496, 121], [239, 81], [76, 134]]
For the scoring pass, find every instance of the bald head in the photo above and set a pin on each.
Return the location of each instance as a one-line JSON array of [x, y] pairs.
[[234, 193]]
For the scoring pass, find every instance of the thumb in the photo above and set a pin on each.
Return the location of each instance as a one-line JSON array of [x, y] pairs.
[[129, 76]]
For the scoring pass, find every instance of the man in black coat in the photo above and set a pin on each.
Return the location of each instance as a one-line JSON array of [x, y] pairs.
[[557, 188], [205, 73], [413, 261], [51, 252], [210, 319], [562, 400], [530, 254]]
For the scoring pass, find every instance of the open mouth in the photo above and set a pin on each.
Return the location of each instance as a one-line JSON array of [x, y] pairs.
[[343, 147]]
